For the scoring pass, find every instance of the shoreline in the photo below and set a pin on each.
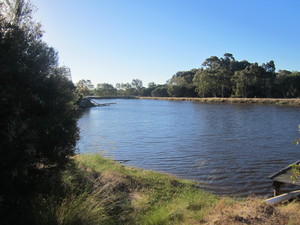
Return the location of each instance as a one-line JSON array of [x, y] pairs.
[[276, 101], [272, 101]]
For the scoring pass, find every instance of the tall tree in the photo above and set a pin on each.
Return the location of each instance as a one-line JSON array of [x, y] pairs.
[[125, 89], [215, 78], [137, 84], [181, 84], [249, 82], [85, 87], [287, 84], [105, 89]]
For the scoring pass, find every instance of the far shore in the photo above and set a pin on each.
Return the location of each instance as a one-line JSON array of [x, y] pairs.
[[277, 101]]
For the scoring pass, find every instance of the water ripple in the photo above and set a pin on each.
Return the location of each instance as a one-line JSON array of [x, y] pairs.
[[227, 149]]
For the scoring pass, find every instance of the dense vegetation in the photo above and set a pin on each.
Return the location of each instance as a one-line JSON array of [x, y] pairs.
[[38, 128], [218, 77]]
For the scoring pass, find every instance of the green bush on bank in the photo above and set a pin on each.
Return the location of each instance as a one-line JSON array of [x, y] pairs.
[[38, 127]]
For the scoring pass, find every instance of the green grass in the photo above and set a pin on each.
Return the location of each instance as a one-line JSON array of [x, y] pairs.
[[106, 192], [97, 190]]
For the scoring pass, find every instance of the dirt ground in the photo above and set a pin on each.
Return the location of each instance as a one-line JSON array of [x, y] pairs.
[[254, 211]]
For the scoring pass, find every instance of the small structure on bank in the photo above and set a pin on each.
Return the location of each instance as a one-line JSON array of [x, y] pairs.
[[283, 176]]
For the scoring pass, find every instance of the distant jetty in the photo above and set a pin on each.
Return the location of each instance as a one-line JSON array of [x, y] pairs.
[[101, 104], [111, 97], [85, 103]]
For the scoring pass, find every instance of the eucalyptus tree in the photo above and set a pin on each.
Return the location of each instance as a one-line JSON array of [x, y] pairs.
[[206, 83], [282, 82], [181, 84], [147, 91], [105, 89], [125, 89], [85, 87], [152, 85], [137, 84], [250, 81], [287, 84], [214, 79], [161, 91], [268, 78]]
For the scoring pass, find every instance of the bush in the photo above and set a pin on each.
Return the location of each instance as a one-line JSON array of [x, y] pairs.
[[38, 130]]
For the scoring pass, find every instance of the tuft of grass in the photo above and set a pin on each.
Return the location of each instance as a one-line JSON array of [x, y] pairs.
[[150, 197]]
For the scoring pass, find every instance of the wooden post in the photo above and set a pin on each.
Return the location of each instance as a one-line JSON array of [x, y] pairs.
[[276, 185]]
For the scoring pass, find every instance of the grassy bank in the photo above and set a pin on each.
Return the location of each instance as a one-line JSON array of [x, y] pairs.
[[126, 195], [102, 191], [278, 101]]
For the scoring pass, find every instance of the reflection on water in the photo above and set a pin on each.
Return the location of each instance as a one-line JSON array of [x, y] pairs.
[[228, 149]]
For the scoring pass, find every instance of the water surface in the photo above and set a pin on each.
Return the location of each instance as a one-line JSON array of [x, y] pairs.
[[228, 148]]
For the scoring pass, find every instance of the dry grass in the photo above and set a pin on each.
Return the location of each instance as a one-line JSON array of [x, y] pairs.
[[278, 101], [253, 211]]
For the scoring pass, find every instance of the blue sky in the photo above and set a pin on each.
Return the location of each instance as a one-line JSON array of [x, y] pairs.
[[119, 40]]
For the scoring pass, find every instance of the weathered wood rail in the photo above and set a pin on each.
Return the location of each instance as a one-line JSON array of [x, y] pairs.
[[283, 176], [280, 178]]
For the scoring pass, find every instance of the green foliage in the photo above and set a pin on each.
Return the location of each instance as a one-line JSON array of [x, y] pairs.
[[287, 84], [147, 91], [296, 167], [295, 172], [105, 89], [137, 84], [134, 89], [225, 77], [38, 130], [124, 195], [181, 84], [125, 89], [161, 91], [85, 87]]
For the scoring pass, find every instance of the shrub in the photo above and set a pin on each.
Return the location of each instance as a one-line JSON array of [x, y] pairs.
[[38, 130]]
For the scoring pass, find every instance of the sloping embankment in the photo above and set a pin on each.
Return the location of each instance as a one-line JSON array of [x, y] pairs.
[[277, 101], [105, 192]]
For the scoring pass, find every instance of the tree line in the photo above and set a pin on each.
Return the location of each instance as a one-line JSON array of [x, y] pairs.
[[218, 77]]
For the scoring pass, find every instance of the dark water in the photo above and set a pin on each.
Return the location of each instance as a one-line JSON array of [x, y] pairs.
[[228, 149]]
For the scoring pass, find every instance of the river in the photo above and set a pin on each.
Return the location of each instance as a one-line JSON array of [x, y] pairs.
[[229, 149]]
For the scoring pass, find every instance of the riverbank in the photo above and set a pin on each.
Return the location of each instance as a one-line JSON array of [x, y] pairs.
[[102, 191], [277, 101]]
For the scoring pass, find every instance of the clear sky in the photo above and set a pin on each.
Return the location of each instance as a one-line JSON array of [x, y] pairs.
[[116, 41]]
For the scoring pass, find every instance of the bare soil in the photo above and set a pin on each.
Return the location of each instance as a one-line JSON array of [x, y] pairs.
[[253, 211]]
